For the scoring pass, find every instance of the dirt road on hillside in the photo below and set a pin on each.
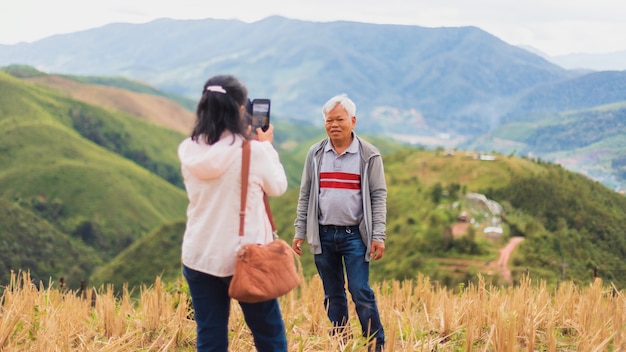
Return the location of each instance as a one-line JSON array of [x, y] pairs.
[[502, 265]]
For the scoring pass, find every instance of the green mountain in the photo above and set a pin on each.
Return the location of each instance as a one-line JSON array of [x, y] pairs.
[[138, 265], [578, 93], [572, 226], [30, 242], [587, 141], [77, 177], [564, 216], [85, 170]]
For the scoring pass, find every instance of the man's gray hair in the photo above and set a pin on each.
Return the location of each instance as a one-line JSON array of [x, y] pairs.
[[343, 100]]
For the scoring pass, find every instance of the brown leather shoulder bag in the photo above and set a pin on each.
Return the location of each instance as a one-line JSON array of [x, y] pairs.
[[262, 272]]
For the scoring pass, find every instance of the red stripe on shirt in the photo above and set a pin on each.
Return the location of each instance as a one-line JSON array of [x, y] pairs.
[[340, 180], [339, 185], [340, 176]]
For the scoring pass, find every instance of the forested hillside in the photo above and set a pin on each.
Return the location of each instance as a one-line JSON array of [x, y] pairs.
[[100, 179], [572, 225], [102, 186], [587, 141]]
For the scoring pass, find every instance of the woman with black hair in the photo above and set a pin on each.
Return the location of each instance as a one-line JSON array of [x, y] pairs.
[[211, 166]]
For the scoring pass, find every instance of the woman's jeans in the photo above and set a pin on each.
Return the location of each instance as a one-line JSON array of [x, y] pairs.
[[211, 304], [342, 245]]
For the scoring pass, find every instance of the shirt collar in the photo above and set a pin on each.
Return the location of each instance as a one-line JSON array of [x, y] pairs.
[[353, 148]]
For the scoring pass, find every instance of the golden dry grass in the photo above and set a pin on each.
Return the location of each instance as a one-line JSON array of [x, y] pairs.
[[418, 316]]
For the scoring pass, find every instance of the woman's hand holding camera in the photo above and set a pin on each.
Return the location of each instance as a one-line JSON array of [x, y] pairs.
[[265, 136]]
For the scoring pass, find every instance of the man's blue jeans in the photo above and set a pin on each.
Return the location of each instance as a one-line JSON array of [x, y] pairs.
[[211, 304], [342, 245]]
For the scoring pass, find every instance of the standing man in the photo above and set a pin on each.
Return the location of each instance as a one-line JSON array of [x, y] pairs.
[[342, 214]]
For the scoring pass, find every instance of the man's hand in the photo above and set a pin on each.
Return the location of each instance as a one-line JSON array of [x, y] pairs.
[[378, 250], [297, 245]]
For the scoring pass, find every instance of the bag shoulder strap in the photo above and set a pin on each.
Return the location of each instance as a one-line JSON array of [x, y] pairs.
[[245, 173]]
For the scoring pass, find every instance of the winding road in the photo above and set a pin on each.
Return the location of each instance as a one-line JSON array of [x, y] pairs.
[[503, 260]]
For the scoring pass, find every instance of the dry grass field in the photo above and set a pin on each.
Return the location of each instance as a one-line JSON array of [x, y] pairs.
[[418, 316]]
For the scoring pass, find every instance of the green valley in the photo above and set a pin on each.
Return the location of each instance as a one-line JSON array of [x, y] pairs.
[[92, 193]]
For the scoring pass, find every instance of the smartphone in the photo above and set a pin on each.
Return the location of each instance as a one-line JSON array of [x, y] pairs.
[[260, 114]]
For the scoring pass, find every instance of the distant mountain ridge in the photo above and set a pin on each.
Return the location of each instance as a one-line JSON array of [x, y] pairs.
[[615, 61], [609, 61], [445, 74], [454, 80], [590, 90], [437, 87]]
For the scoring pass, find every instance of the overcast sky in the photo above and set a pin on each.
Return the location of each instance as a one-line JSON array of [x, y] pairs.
[[554, 27]]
